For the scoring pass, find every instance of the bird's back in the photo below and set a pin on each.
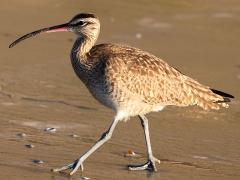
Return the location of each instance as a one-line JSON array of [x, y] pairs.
[[124, 77]]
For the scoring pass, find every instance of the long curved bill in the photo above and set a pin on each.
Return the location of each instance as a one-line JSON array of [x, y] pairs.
[[58, 28]]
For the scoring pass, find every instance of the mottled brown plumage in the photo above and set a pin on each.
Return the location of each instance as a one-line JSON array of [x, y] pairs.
[[128, 74], [130, 81]]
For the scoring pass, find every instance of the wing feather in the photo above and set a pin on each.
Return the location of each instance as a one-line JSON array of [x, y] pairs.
[[144, 76]]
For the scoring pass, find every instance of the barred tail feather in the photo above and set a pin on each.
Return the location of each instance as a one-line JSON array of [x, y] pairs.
[[226, 97], [206, 97]]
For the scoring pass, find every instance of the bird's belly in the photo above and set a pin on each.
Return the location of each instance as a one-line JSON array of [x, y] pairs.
[[136, 107], [121, 101], [101, 94]]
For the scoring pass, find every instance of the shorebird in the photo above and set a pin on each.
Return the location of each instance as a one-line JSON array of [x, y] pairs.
[[128, 80]]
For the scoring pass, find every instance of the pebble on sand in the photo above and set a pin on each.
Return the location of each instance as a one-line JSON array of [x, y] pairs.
[[50, 129], [84, 178], [21, 135], [29, 146], [131, 153], [74, 135], [36, 161]]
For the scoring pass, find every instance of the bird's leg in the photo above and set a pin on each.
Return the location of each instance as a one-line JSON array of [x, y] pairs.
[[150, 164], [79, 162]]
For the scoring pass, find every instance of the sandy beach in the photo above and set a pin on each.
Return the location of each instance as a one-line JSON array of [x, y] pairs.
[[38, 89]]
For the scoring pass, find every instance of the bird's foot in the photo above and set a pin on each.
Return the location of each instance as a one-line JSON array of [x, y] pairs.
[[149, 165], [72, 166]]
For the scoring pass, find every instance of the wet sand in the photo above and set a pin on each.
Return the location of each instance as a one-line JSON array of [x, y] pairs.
[[39, 89]]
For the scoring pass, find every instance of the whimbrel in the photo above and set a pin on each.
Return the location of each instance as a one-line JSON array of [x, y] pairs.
[[128, 80]]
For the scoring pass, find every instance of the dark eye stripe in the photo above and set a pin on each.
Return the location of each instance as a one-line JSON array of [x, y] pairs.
[[80, 23]]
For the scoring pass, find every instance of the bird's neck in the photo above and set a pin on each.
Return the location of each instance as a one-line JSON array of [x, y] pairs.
[[84, 44], [79, 56]]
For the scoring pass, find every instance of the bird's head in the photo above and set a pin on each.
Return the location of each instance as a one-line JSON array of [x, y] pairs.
[[85, 25]]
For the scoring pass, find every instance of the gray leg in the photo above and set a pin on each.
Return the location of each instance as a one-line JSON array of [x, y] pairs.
[[150, 165], [79, 162]]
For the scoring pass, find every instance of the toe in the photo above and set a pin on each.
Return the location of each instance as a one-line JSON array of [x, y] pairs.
[[150, 166], [76, 166]]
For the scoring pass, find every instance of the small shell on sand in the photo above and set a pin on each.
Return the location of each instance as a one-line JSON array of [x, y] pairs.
[[29, 146], [74, 135], [50, 129], [21, 135], [199, 157], [36, 161], [131, 153], [85, 178]]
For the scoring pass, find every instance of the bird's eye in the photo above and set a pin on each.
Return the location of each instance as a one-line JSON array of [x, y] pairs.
[[81, 23]]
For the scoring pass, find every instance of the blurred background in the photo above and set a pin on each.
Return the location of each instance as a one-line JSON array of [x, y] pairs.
[[38, 89]]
